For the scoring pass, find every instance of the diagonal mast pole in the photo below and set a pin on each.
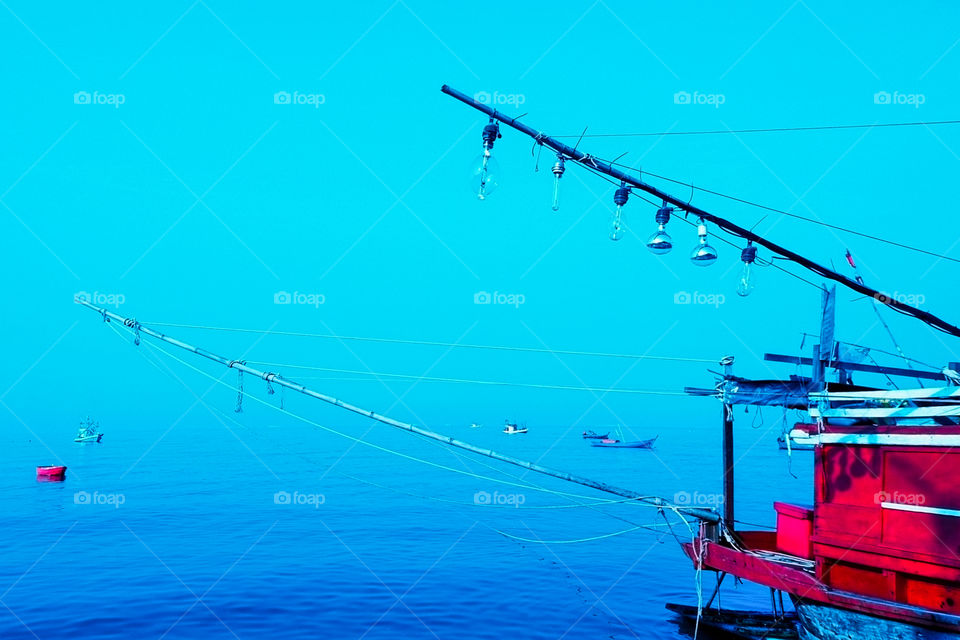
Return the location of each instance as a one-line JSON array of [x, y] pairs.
[[600, 166], [701, 514]]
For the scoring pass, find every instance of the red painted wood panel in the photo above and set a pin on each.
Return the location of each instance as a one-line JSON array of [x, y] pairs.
[[859, 579], [852, 474]]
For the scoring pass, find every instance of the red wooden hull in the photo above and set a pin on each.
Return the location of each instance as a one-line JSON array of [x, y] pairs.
[[46, 472], [879, 549], [51, 471]]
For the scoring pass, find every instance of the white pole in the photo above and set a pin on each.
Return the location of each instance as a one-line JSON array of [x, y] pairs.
[[701, 514]]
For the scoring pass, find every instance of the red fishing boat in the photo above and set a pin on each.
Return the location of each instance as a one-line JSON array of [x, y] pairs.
[[876, 553], [53, 471]]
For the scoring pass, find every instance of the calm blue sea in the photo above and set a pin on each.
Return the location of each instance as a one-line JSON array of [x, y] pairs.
[[249, 525]]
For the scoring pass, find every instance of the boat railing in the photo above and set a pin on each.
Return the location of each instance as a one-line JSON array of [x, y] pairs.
[[934, 402]]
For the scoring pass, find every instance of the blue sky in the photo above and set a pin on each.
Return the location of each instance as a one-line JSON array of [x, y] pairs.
[[146, 158]]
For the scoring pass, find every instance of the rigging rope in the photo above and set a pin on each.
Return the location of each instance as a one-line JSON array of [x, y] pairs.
[[592, 505], [684, 219], [433, 343], [886, 353], [528, 385], [579, 540], [371, 444], [769, 263], [790, 214], [832, 127], [239, 408], [474, 504]]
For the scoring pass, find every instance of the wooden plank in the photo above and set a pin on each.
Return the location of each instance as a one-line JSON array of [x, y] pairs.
[[889, 394], [856, 366], [888, 412], [874, 439]]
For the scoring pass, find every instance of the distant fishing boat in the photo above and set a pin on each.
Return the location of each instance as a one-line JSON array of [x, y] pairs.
[[89, 431], [593, 435], [619, 444], [51, 471], [475, 426], [511, 428]]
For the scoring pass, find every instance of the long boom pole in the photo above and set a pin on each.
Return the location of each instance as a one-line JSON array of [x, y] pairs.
[[273, 378], [607, 168]]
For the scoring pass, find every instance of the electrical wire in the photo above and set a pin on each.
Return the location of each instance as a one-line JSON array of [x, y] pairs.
[[719, 237], [793, 215], [834, 127], [579, 540], [217, 381], [886, 353], [904, 313], [529, 385], [768, 263], [431, 343]]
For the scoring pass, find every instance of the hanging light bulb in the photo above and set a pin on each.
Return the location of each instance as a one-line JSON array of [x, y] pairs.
[[616, 223], [483, 180], [660, 242], [558, 170], [747, 256], [703, 255]]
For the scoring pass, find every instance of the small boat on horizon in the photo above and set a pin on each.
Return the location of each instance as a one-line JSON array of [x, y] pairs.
[[593, 435], [619, 444], [89, 431], [511, 428], [794, 446], [475, 426]]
